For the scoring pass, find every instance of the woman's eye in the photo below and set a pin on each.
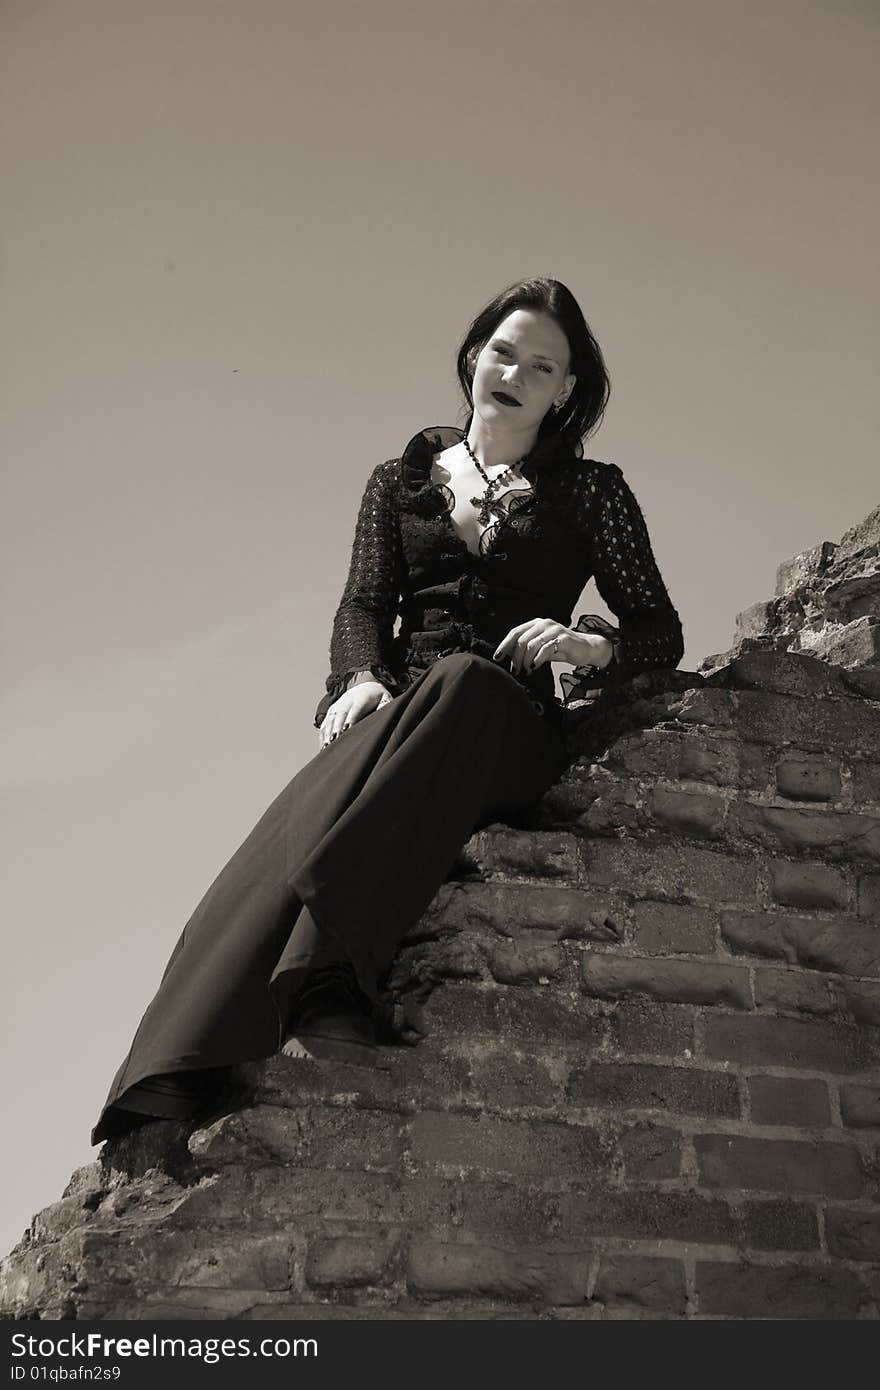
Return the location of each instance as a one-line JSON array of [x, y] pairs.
[[542, 367], [501, 351]]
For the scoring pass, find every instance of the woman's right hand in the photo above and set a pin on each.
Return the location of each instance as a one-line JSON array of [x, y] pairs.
[[353, 704]]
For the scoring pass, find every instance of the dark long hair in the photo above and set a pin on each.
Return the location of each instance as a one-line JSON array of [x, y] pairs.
[[562, 430]]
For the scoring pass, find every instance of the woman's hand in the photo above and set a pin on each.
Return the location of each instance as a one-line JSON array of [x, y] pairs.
[[540, 640], [353, 704]]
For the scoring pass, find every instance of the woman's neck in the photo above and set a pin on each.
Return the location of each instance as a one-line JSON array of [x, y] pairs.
[[498, 447]]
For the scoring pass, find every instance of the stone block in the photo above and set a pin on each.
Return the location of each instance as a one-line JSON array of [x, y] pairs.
[[865, 784], [348, 1261], [804, 568], [643, 1282], [673, 928], [869, 898], [692, 814], [807, 885], [836, 835], [735, 1161], [734, 1290], [687, 1090], [674, 981], [671, 871], [649, 1214], [499, 849], [439, 1270], [309, 1137], [522, 963], [853, 1233], [796, 991], [639, 1026], [860, 1105], [650, 1151], [799, 1044], [769, 1224], [808, 776], [488, 1144], [520, 1014], [845, 945], [789, 1100]]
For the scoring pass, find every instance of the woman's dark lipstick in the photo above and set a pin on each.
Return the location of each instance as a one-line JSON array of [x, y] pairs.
[[504, 398]]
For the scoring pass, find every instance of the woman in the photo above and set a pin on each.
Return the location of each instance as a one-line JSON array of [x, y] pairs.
[[480, 540]]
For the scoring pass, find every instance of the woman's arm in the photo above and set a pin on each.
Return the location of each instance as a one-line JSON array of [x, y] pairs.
[[364, 620], [649, 633]]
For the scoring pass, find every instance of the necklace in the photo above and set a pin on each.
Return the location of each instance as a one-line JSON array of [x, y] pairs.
[[485, 503]]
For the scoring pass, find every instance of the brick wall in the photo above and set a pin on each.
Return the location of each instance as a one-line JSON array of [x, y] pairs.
[[646, 1079]]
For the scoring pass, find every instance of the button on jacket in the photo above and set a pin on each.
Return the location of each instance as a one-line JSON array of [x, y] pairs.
[[579, 519]]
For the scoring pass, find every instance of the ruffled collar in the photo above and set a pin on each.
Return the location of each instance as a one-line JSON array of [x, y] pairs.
[[419, 454]]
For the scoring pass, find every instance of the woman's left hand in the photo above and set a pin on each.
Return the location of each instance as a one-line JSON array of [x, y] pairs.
[[540, 640]]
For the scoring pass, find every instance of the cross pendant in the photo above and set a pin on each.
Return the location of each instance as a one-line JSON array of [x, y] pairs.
[[484, 507]]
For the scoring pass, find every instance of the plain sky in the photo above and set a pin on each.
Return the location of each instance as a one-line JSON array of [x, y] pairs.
[[241, 242]]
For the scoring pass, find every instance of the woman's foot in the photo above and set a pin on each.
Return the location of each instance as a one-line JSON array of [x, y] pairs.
[[331, 1014]]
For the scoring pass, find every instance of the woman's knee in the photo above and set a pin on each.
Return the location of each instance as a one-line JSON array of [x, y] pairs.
[[465, 668]]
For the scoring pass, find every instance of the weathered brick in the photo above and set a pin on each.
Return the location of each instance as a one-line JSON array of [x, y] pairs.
[[523, 962], [438, 1270], [807, 885], [676, 981], [499, 849], [495, 1145], [789, 1100], [673, 927], [847, 726], [779, 1225], [853, 1233], [793, 1291], [230, 1194], [310, 1137], [804, 568], [782, 673], [808, 776], [838, 835], [220, 1260], [641, 1026], [638, 1281], [519, 1210], [714, 708], [801, 1044], [506, 1079], [650, 1151], [699, 814], [348, 1261], [616, 808], [860, 1105], [865, 782], [455, 1011], [510, 908], [779, 1165], [649, 1214], [862, 999], [844, 945], [712, 760], [795, 991], [671, 871], [869, 898], [685, 1089]]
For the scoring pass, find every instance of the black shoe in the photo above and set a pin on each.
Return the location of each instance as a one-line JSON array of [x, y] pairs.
[[333, 1008]]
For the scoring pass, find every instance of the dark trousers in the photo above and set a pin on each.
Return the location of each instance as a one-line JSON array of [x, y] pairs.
[[362, 838]]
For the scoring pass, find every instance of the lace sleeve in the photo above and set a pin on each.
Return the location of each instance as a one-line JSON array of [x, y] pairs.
[[629, 581], [364, 620]]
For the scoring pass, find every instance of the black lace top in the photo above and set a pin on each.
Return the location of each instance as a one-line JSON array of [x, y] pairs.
[[578, 519]]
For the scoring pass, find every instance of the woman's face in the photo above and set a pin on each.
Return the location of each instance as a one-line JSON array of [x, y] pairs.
[[521, 371]]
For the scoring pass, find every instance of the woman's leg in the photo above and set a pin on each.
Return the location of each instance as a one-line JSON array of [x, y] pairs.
[[363, 836]]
